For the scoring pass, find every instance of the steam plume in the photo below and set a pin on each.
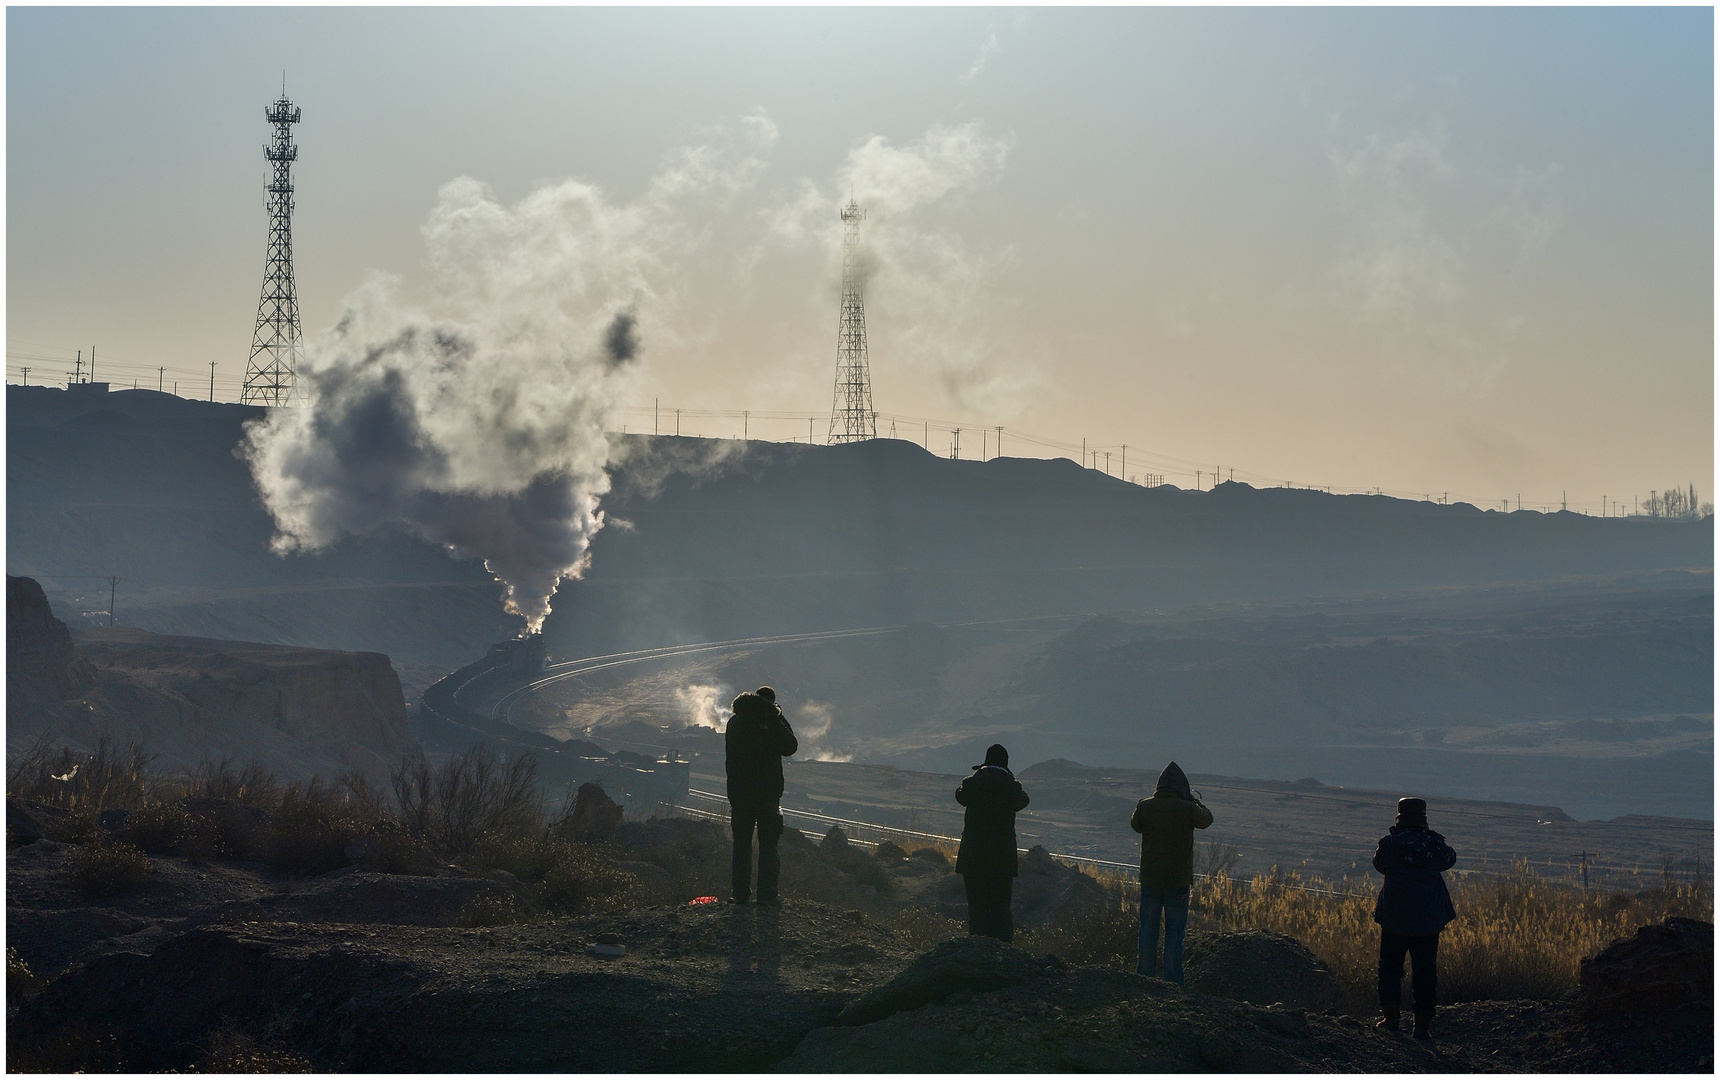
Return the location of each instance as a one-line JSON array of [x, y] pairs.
[[481, 427]]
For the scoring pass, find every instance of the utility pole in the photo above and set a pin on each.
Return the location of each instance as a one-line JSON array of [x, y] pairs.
[[26, 376], [1125, 469], [160, 379], [211, 380], [1197, 483], [677, 422], [982, 437], [1107, 463], [1583, 858], [92, 363], [1000, 440], [113, 589], [746, 421]]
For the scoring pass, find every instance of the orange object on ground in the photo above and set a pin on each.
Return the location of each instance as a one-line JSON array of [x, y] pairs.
[[697, 900]]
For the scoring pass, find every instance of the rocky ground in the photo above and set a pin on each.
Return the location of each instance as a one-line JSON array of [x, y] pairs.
[[357, 970]]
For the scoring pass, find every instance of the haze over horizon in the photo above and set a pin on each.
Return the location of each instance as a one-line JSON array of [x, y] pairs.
[[1442, 251]]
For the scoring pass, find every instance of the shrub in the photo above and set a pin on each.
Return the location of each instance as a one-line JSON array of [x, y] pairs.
[[475, 794], [308, 832], [584, 881], [108, 867], [157, 828], [570, 877], [21, 982], [234, 1051], [489, 910]]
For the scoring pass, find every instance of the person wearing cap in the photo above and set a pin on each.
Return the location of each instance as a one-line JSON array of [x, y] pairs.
[[754, 743], [1413, 907], [986, 858], [1166, 822]]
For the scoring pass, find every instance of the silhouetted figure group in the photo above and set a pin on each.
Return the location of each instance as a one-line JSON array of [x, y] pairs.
[[1413, 905]]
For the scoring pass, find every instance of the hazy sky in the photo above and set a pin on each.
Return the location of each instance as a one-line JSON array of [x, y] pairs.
[[1465, 251]]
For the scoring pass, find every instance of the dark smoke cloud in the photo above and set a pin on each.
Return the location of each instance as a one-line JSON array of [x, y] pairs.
[[621, 340]]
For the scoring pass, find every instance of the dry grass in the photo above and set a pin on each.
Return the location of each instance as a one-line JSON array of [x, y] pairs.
[[1517, 935], [85, 783]]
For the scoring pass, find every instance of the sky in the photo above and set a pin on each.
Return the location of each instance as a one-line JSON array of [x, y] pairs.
[[1463, 253]]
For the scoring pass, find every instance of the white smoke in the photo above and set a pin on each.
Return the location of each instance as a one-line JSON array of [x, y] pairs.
[[938, 296], [479, 423], [706, 705], [812, 724]]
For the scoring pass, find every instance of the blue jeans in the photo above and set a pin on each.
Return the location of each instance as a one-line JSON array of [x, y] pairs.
[[1174, 905]]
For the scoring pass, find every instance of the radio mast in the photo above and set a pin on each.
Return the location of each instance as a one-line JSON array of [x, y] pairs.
[[851, 415], [271, 375]]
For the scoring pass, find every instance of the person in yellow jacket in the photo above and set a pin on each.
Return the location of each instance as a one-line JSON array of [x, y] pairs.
[[1166, 822]]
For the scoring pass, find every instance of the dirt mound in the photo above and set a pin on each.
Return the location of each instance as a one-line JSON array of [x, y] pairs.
[[970, 964], [1261, 967], [1089, 1019], [1663, 966], [508, 999]]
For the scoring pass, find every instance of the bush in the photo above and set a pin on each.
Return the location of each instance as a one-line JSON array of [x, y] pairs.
[[234, 1051], [21, 982], [467, 797], [157, 828], [308, 832], [566, 876], [108, 867], [489, 910]]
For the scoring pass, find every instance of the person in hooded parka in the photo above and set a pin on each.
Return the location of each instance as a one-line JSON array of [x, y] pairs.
[[986, 859], [755, 742], [1413, 907], [1166, 822]]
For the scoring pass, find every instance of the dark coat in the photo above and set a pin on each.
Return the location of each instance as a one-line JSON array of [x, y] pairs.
[[1414, 899], [992, 796], [1167, 822], [757, 739]]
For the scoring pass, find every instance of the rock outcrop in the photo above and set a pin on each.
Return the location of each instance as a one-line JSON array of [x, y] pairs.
[[1661, 967], [41, 665]]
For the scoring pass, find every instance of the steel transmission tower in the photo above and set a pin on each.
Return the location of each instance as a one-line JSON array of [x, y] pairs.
[[851, 415], [271, 375]]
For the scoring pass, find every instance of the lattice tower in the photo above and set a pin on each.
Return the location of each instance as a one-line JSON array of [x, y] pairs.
[[271, 375], [851, 415]]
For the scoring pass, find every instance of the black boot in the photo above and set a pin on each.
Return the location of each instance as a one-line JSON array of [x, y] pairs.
[[1424, 1026], [1390, 1019]]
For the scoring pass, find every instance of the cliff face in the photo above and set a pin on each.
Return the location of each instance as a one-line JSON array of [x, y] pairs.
[[330, 700], [41, 665], [299, 711]]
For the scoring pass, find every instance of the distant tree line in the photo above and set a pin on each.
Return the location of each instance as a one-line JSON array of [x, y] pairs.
[[1675, 503]]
